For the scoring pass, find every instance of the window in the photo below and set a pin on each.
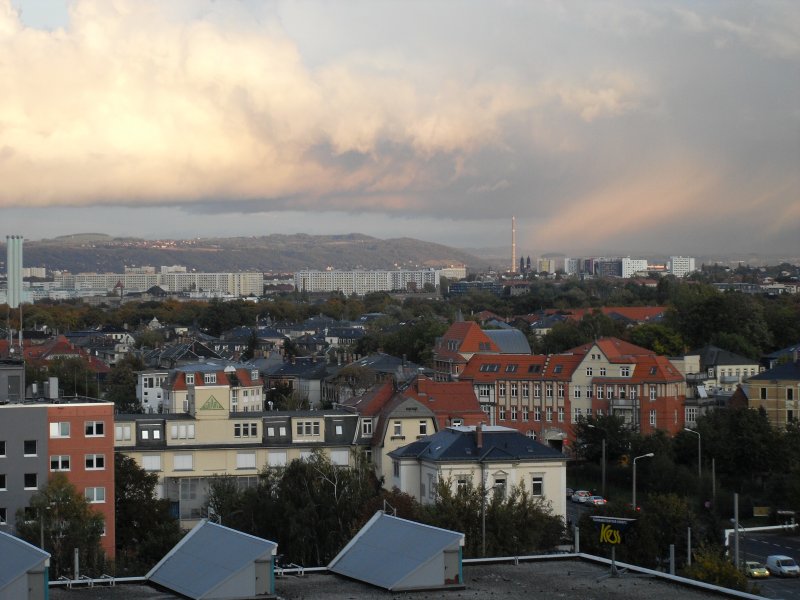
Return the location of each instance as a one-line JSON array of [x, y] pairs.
[[513, 390], [59, 462], [59, 430], [254, 374], [537, 390], [2, 481], [483, 391], [245, 460], [396, 468], [763, 393], [423, 428], [2, 447], [653, 370], [501, 389], [282, 431], [511, 368], [31, 481], [122, 433], [652, 392], [3, 516], [502, 413], [457, 422], [549, 414], [245, 430], [602, 371], [537, 485], [183, 462], [537, 413], [789, 394], [589, 371], [561, 414], [691, 414], [209, 378], [366, 427], [624, 371], [525, 390], [576, 417], [576, 391], [277, 459], [151, 462], [560, 390], [338, 429], [95, 462], [513, 413], [653, 418], [182, 432], [499, 487], [96, 495], [95, 428], [29, 448], [397, 429], [308, 428], [190, 379], [549, 390], [633, 392], [600, 392]]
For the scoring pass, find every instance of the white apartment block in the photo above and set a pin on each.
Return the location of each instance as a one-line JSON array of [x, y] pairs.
[[453, 273], [234, 284], [363, 282], [631, 266], [681, 266]]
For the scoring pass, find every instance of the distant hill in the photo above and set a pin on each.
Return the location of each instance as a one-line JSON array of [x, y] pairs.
[[273, 253]]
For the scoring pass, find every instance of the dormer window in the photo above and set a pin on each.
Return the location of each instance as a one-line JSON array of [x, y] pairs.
[[210, 378], [190, 379], [254, 374]]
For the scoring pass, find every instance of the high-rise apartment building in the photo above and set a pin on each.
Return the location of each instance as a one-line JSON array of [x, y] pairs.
[[14, 269], [681, 266], [631, 266]]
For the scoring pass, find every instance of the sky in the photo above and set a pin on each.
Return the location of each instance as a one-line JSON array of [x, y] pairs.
[[658, 127]]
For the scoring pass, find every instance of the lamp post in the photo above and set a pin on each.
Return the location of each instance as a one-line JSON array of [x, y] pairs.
[[603, 464], [699, 455], [648, 455]]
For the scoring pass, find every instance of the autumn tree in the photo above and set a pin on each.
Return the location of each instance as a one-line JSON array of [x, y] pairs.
[[65, 520]]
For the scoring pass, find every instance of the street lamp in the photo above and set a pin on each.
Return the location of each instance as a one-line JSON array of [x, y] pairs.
[[603, 466], [648, 455], [699, 455]]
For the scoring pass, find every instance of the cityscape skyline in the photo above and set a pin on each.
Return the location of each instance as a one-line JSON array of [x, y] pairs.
[[661, 128]]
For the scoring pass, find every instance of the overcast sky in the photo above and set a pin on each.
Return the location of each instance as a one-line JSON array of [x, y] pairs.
[[664, 127]]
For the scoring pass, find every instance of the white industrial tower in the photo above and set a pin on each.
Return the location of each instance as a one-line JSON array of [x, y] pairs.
[[513, 244], [14, 269]]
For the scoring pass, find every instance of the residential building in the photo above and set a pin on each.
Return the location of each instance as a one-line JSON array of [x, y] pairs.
[[777, 391], [681, 266], [233, 284], [187, 450], [464, 339], [364, 282], [41, 438], [150, 389], [496, 458], [462, 288], [720, 370], [632, 266], [529, 393], [619, 378]]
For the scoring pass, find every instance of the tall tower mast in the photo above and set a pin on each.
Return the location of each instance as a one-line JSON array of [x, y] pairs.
[[513, 244]]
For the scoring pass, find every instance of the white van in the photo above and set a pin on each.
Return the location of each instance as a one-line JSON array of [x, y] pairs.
[[782, 566]]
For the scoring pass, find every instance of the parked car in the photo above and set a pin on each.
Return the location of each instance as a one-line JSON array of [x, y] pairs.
[[570, 491], [755, 569], [596, 500], [782, 566], [581, 496]]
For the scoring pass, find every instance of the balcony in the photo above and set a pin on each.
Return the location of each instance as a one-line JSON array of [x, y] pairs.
[[729, 379], [623, 403], [696, 378]]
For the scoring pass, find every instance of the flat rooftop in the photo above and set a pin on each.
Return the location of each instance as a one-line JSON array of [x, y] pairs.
[[544, 580]]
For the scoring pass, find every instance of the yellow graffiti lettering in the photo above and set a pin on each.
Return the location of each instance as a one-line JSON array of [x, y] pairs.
[[609, 535]]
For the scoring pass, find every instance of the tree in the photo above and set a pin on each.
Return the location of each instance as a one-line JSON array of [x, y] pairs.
[[590, 432], [121, 385], [712, 566], [146, 530], [658, 338], [66, 520]]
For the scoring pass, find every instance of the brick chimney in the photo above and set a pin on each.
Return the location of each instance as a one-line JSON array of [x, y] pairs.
[[479, 436]]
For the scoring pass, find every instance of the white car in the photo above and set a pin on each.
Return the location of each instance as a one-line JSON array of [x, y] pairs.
[[581, 496], [782, 566]]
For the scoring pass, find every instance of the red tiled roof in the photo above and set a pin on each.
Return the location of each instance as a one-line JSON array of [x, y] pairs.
[[615, 349], [470, 335], [447, 400], [521, 367]]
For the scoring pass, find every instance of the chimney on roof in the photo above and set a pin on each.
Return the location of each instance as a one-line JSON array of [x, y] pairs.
[[479, 436]]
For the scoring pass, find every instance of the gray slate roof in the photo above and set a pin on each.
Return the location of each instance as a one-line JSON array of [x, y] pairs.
[[459, 444], [785, 372], [207, 557], [510, 341], [19, 557], [712, 355], [393, 553]]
